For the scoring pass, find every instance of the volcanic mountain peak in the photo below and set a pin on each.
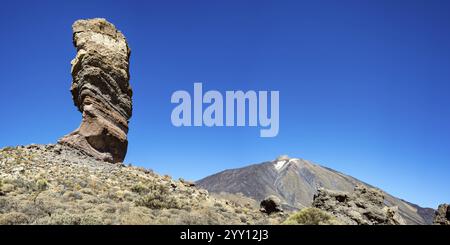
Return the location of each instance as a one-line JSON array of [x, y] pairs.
[[295, 182], [283, 162]]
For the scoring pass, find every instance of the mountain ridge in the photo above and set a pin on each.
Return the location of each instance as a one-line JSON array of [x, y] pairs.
[[295, 182]]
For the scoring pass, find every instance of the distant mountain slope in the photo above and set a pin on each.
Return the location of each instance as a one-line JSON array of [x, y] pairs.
[[295, 181]]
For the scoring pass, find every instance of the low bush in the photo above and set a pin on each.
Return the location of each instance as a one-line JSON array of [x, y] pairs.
[[158, 197], [311, 216]]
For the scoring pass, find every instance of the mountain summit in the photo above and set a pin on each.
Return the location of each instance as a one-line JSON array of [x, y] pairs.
[[295, 181]]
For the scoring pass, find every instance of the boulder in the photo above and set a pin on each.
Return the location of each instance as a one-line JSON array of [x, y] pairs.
[[100, 90], [442, 215], [186, 182], [271, 204], [365, 206]]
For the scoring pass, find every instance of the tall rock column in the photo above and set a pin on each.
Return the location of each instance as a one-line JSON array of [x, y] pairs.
[[101, 90]]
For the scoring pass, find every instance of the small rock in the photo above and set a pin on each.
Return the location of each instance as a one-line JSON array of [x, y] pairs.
[[72, 195], [6, 188], [187, 183], [19, 170], [57, 151]]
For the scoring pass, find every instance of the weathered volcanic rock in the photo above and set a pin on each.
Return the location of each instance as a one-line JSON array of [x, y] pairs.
[[101, 90], [365, 206], [442, 215], [271, 204]]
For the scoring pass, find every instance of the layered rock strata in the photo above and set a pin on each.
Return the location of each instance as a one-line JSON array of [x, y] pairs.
[[100, 90]]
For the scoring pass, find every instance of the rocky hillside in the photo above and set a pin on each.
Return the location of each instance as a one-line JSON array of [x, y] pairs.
[[82, 180], [295, 181], [56, 184]]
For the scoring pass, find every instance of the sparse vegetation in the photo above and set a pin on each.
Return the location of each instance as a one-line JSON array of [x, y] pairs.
[[139, 189], [158, 197], [311, 216], [41, 185], [13, 218], [53, 184]]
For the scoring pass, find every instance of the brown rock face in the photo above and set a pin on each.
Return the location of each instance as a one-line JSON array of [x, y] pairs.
[[442, 215], [101, 90]]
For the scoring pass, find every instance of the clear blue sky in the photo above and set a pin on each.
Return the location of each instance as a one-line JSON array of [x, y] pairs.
[[364, 85]]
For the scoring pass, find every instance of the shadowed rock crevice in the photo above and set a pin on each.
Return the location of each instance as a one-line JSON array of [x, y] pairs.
[[100, 90]]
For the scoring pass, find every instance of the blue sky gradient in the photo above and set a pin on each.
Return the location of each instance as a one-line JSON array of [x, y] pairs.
[[364, 85]]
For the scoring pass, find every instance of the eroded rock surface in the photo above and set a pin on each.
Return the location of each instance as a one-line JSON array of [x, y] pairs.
[[365, 206], [271, 204], [101, 90], [442, 215]]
